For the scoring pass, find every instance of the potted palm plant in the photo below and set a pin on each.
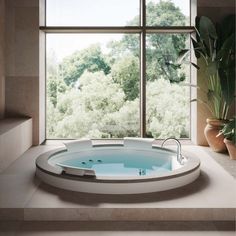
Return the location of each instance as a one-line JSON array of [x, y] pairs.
[[215, 45], [229, 133]]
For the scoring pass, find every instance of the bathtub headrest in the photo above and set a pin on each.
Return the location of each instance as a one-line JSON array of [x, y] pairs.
[[138, 142], [78, 145]]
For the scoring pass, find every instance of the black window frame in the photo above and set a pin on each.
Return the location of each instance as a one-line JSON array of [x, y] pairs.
[[142, 30]]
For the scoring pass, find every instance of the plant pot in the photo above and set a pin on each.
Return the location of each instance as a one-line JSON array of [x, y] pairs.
[[231, 149], [211, 131]]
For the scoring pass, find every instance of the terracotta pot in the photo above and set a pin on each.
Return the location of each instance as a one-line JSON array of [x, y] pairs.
[[231, 149], [211, 131]]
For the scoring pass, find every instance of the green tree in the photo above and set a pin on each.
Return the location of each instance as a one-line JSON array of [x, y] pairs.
[[167, 109], [124, 122], [90, 59], [162, 53], [126, 72], [162, 49], [164, 13], [82, 111], [55, 87]]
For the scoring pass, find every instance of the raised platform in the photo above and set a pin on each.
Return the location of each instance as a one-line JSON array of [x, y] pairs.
[[212, 197], [15, 139]]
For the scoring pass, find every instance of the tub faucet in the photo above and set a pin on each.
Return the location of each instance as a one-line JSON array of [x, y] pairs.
[[179, 152]]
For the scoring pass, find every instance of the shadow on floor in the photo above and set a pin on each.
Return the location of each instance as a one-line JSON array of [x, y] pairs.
[[95, 199]]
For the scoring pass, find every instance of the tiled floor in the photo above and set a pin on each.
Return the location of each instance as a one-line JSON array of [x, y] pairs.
[[212, 197], [224, 160]]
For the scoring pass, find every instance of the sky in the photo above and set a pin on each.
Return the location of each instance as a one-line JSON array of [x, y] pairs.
[[75, 13], [91, 12]]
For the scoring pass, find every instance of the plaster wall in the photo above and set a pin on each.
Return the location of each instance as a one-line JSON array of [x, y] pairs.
[[2, 58], [22, 62], [216, 9]]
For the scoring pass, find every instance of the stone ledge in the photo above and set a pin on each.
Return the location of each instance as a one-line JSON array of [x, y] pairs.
[[15, 139], [118, 214]]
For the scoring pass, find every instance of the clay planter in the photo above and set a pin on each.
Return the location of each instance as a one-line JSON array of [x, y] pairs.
[[211, 131], [231, 149]]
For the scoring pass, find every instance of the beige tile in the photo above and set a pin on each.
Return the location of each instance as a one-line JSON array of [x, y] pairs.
[[9, 228], [11, 214], [23, 50], [124, 233], [22, 61], [214, 3], [26, 162], [9, 37], [27, 48], [22, 99], [2, 58], [18, 181], [23, 3], [223, 160], [16, 189], [121, 229]]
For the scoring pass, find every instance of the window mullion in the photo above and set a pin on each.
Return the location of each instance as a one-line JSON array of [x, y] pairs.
[[91, 29], [143, 69]]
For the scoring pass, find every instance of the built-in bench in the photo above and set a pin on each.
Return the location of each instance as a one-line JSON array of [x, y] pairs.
[[15, 139]]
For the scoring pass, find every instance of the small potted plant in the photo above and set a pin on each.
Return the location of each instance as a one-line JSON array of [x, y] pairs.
[[228, 131]]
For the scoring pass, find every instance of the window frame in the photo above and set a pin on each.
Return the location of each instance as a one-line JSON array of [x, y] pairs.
[[142, 30]]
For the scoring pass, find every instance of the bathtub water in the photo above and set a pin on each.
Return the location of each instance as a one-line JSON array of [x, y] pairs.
[[117, 162]]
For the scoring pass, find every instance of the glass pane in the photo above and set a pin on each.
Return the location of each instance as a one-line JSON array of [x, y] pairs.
[[168, 12], [167, 89], [92, 12], [92, 86]]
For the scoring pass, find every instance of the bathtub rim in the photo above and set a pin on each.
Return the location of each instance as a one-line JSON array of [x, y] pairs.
[[192, 164]]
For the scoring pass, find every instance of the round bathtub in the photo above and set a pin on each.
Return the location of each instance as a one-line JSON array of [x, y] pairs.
[[137, 166]]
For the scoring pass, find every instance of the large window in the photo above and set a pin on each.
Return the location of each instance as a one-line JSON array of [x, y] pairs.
[[113, 69]]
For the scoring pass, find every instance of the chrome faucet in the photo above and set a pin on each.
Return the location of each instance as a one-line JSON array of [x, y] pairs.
[[180, 158]]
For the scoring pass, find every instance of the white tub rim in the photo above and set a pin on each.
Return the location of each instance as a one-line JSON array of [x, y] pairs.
[[190, 166]]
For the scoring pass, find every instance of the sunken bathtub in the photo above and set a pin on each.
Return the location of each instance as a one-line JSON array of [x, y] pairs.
[[136, 166]]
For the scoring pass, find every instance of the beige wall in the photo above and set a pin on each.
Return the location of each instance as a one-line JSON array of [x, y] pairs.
[[22, 62], [2, 58], [216, 10]]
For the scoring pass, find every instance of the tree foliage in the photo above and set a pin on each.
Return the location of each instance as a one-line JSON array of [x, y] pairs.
[[90, 59], [167, 109], [126, 73], [164, 13], [162, 49], [55, 87], [162, 52]]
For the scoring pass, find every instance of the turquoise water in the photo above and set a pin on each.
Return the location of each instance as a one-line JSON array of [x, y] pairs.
[[119, 162]]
